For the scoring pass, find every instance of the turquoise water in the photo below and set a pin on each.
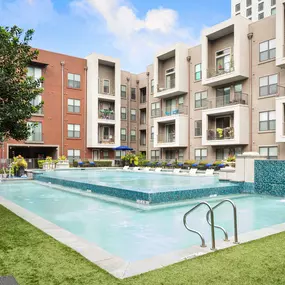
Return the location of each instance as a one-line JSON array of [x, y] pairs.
[[132, 233], [139, 181]]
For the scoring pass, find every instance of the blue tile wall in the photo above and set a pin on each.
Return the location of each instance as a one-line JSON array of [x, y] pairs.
[[269, 177], [153, 198]]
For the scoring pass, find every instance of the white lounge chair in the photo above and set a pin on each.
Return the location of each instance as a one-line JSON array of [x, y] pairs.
[[146, 169], [158, 169], [209, 172], [136, 169], [176, 170], [193, 172], [126, 167]]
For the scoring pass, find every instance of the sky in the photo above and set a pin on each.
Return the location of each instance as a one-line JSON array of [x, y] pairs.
[[131, 30]]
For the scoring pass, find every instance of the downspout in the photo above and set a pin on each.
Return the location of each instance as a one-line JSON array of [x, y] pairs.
[[62, 63], [250, 36], [85, 114], [147, 114], [128, 113], [189, 103]]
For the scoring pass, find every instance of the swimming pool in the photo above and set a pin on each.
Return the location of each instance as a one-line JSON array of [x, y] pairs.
[[143, 186], [131, 232]]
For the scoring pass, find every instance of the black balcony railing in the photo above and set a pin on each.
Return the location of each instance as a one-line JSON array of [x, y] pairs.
[[166, 138], [220, 134], [168, 85], [155, 113], [213, 72], [169, 111], [106, 139], [106, 114], [227, 100]]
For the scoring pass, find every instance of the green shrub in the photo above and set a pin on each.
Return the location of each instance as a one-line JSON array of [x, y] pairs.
[[40, 163], [217, 162], [143, 162], [203, 162], [190, 162], [2, 171], [75, 163], [102, 163], [163, 164]]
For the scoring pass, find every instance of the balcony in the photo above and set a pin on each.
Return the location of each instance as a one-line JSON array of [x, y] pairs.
[[171, 131], [280, 33], [172, 111], [106, 135], [280, 115], [35, 138], [170, 68], [225, 125], [235, 98], [225, 52], [106, 139], [221, 134]]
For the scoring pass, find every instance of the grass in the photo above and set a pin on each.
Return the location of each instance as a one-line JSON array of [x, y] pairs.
[[33, 257]]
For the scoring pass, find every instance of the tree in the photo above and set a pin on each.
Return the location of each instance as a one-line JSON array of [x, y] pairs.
[[17, 90]]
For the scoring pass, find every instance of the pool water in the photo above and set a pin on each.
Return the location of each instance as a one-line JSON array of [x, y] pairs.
[[139, 181], [133, 233]]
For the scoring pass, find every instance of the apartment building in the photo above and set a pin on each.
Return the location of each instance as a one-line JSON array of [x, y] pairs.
[[220, 98], [254, 9]]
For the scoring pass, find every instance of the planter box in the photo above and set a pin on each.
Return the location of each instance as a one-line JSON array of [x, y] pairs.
[[62, 164]]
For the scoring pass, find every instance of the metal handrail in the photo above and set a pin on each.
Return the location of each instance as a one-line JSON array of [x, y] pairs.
[[221, 228], [198, 233]]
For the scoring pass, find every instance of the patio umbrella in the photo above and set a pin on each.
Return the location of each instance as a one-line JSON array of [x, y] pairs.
[[122, 147]]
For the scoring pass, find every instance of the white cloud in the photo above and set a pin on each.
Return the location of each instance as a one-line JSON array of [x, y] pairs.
[[137, 38]]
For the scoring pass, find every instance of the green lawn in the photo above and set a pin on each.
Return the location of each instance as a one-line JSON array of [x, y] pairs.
[[35, 258]]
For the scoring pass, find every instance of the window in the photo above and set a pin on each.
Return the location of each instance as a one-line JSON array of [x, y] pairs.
[[123, 91], [223, 96], [34, 72], [155, 155], [35, 132], [152, 133], [200, 154], [267, 121], [73, 105], [248, 12], [238, 88], [123, 135], [223, 153], [73, 154], [273, 11], [133, 135], [106, 86], [198, 71], [36, 102], [267, 50], [260, 6], [223, 61], [120, 153], [133, 115], [237, 7], [248, 3], [271, 152], [152, 86], [155, 109], [133, 94], [273, 2], [198, 128], [143, 95], [170, 78], [268, 85], [260, 16], [73, 131], [201, 99], [181, 154], [170, 154], [105, 154], [123, 113], [73, 80]]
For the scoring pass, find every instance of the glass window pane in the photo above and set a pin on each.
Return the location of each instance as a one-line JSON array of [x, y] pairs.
[[273, 89], [77, 77], [263, 46], [272, 53], [70, 102], [238, 88], [273, 151], [197, 96], [263, 81], [197, 152], [70, 127], [70, 76], [204, 152], [198, 67], [272, 125], [77, 127], [272, 115], [263, 56], [77, 103], [263, 126], [204, 95], [263, 116], [264, 91], [263, 151], [273, 79], [272, 44], [77, 152], [70, 152]]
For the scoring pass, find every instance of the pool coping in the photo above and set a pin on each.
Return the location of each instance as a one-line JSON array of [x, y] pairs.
[[117, 266]]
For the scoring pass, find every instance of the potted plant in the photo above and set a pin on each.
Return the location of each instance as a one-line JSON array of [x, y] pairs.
[[220, 133], [19, 165], [62, 162]]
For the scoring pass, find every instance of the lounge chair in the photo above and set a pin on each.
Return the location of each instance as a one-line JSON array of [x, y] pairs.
[[136, 169], [91, 162], [80, 163], [209, 172], [176, 170], [193, 172], [126, 167], [146, 169], [158, 169]]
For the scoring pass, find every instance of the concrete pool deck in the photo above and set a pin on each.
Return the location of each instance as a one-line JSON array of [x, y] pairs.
[[117, 266]]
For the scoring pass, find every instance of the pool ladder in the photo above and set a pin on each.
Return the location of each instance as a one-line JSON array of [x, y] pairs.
[[211, 222]]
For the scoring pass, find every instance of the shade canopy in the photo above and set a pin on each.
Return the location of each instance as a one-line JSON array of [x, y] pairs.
[[123, 147]]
